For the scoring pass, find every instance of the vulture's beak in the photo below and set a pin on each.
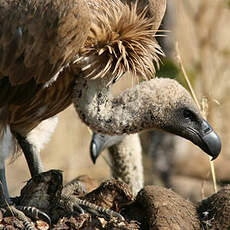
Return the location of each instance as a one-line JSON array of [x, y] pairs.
[[208, 139], [100, 142], [204, 137]]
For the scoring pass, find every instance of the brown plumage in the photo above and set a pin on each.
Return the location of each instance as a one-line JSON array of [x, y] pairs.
[[46, 46], [114, 46], [38, 38], [40, 42], [54, 51], [55, 98]]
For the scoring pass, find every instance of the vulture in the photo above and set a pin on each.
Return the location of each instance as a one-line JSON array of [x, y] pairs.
[[54, 53], [124, 150], [125, 153]]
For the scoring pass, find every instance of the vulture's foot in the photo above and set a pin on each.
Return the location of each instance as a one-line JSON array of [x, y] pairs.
[[8, 208], [11, 210], [11, 207], [105, 201], [21, 213], [36, 199], [72, 204], [34, 213]]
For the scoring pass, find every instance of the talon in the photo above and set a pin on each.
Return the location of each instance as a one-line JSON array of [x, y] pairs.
[[95, 209], [35, 213], [21, 216], [118, 215], [78, 208], [69, 201]]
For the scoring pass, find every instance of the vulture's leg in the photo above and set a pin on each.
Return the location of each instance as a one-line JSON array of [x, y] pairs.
[[6, 148], [32, 155], [4, 194], [35, 165], [6, 205], [31, 145]]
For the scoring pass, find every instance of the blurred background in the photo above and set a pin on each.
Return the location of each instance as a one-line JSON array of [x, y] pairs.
[[201, 29]]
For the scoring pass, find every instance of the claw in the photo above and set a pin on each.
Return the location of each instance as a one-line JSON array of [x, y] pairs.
[[70, 202], [21, 216], [21, 211], [34, 213], [78, 208], [95, 209]]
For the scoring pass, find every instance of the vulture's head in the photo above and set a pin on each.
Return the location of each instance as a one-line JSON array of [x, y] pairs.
[[161, 104], [177, 113], [122, 39]]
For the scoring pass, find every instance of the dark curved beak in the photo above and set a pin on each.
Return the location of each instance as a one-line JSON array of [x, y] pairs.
[[100, 142], [209, 141]]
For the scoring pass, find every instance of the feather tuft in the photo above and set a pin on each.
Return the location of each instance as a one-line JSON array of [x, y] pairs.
[[120, 40]]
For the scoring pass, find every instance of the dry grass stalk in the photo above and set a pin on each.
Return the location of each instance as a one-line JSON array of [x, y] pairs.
[[203, 108]]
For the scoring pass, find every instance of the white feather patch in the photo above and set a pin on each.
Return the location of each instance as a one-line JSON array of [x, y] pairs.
[[6, 145], [39, 136]]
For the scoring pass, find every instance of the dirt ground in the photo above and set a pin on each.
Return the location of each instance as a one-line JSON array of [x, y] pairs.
[[112, 206]]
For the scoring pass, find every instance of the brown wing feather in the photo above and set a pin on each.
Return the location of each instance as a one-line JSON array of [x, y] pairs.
[[17, 95], [47, 102], [39, 37]]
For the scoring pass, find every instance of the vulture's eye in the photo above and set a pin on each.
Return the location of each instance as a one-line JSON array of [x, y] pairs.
[[188, 114]]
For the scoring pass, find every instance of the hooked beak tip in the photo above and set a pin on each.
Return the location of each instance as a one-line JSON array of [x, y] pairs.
[[212, 143], [100, 142], [93, 152], [212, 140]]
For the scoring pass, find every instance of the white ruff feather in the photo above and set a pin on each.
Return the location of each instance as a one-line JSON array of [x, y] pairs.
[[39, 136], [6, 145]]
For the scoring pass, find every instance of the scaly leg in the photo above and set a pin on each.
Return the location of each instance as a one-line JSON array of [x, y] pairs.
[[35, 166], [32, 156], [6, 147], [6, 204], [4, 195]]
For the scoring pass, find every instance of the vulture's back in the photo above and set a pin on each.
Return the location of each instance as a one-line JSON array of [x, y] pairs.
[[38, 39]]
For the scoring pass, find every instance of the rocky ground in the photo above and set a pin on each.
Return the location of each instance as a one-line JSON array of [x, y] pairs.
[[154, 207]]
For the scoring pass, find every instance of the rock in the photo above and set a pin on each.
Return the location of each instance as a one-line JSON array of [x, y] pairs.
[[41, 190], [158, 208], [111, 194], [214, 212]]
